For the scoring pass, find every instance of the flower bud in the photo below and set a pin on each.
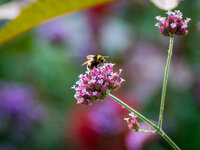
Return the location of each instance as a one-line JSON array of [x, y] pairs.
[[132, 122]]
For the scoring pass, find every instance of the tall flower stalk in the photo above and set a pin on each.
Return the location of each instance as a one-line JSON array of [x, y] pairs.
[[97, 83], [174, 25], [162, 104]]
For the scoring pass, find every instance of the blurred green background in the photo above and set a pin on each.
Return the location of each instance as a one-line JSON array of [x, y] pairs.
[[38, 69]]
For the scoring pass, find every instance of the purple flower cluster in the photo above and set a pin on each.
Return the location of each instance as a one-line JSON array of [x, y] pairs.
[[17, 105], [174, 25], [93, 85]]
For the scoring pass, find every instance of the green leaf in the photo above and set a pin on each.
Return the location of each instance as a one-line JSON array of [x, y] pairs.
[[40, 11]]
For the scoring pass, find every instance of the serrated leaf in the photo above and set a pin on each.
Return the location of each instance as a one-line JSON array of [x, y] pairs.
[[166, 4], [43, 10]]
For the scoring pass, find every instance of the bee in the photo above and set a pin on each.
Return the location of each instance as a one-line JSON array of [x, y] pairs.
[[94, 61]]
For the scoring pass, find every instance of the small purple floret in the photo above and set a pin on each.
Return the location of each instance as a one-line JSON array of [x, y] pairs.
[[94, 84], [174, 25]]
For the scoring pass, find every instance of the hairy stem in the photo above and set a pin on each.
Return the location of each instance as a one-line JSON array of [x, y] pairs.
[[165, 82], [143, 118]]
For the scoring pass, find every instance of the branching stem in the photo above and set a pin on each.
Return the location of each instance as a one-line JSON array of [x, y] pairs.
[[143, 118]]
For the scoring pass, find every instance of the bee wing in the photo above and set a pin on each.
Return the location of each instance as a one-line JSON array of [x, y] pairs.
[[90, 57], [86, 62], [106, 56]]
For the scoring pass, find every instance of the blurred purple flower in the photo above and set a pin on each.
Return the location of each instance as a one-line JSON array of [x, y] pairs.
[[105, 118], [181, 76], [94, 84], [110, 39], [174, 25], [198, 26], [197, 90], [136, 140], [18, 107], [54, 32], [145, 63]]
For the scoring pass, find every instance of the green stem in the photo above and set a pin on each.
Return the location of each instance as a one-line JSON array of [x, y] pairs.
[[165, 82], [147, 131], [143, 118]]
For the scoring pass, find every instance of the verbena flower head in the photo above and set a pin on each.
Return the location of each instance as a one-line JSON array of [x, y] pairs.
[[132, 122], [174, 25], [94, 84]]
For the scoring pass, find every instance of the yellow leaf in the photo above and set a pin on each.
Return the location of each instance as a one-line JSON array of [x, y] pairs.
[[40, 11]]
